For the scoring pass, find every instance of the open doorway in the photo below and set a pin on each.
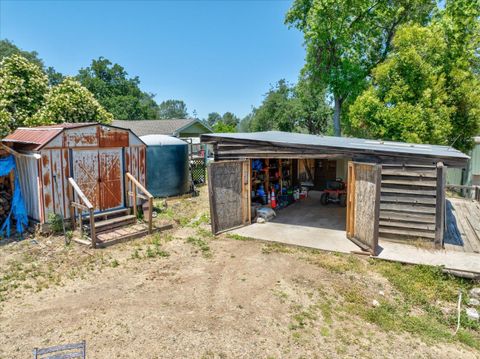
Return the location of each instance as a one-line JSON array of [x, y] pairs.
[[276, 199], [288, 202]]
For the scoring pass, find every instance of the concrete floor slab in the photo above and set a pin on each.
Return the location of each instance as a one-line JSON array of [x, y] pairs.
[[305, 223], [309, 224]]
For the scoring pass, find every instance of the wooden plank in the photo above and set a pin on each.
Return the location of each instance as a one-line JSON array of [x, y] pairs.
[[406, 232], [407, 217], [440, 206], [411, 208], [407, 190], [424, 226], [408, 199], [407, 182], [411, 172]]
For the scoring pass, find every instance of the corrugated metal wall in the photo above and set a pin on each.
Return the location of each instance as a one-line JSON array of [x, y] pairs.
[[28, 175]]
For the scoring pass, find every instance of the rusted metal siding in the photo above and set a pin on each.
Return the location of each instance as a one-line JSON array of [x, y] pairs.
[[81, 137], [28, 173], [47, 186], [112, 137]]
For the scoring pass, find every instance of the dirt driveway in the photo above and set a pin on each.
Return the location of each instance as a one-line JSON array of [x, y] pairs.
[[181, 295]]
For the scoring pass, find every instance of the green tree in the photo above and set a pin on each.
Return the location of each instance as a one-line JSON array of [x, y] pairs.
[[212, 118], [222, 127], [70, 102], [230, 119], [173, 109], [23, 87], [346, 39], [118, 93], [276, 111], [428, 90], [459, 23], [311, 110], [8, 48]]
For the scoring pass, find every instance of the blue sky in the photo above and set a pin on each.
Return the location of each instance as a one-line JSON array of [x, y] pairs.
[[215, 55]]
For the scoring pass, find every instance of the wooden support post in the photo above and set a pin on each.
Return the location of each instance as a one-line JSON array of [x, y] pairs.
[[72, 210], [440, 205], [92, 229], [150, 210], [134, 192], [80, 223]]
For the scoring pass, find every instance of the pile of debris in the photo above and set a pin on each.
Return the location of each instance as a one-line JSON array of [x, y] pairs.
[[5, 197]]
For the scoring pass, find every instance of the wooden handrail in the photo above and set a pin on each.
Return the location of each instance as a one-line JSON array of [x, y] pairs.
[[133, 193], [87, 205]]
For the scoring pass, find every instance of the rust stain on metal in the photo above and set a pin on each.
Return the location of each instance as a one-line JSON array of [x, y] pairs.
[[113, 138], [48, 200], [46, 179], [67, 168], [45, 160]]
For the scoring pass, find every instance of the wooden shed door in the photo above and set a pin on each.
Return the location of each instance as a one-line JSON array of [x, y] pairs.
[[111, 179], [85, 173], [363, 205], [229, 191], [98, 173]]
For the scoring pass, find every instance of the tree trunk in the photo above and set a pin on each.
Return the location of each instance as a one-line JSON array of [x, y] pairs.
[[336, 116]]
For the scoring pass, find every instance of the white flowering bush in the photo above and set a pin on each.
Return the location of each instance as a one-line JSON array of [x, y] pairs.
[[70, 102], [23, 87]]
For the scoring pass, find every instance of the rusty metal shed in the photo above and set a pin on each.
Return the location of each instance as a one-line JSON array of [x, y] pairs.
[[95, 156]]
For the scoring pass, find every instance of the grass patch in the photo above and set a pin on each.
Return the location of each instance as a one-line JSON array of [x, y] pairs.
[[238, 237], [276, 248], [200, 244]]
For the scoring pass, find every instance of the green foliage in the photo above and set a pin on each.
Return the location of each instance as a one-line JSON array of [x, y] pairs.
[[407, 100], [116, 92], [428, 89], [8, 48], [23, 87], [312, 112], [221, 127], [300, 108], [276, 111], [55, 222], [172, 109], [70, 102], [213, 118], [345, 39]]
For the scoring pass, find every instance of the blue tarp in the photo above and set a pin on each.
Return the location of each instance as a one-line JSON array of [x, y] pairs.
[[7, 164]]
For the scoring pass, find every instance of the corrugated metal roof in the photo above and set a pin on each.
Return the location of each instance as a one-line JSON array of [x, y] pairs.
[[37, 136], [155, 127], [296, 139]]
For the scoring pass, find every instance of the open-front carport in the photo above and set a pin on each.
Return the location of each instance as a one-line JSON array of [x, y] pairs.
[[395, 191]]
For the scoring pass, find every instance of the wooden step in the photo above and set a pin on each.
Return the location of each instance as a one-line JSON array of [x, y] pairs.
[[113, 213], [114, 223]]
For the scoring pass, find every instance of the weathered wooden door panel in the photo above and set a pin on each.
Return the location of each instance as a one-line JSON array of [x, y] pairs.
[[111, 181], [363, 205], [85, 173], [228, 184]]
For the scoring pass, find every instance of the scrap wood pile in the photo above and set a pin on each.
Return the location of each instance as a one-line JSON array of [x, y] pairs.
[[5, 197]]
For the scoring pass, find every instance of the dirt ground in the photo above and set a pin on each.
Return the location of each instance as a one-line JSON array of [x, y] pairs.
[[186, 294]]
